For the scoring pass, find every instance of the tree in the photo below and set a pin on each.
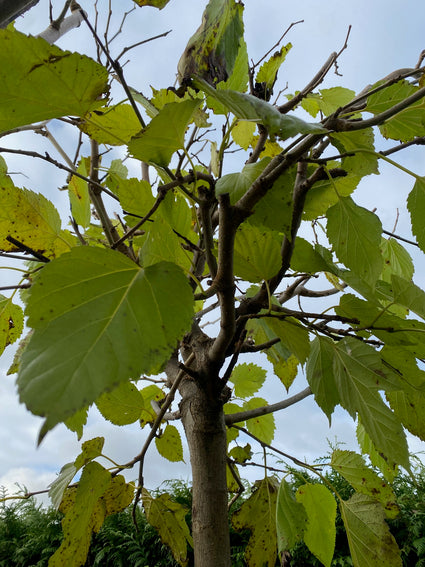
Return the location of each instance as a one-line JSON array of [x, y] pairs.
[[112, 302]]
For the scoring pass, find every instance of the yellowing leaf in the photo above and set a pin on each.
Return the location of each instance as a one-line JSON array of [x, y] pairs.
[[320, 533], [247, 379], [169, 444], [263, 426], [39, 81], [121, 406], [11, 322], [79, 195], [113, 125], [258, 514], [84, 517], [154, 3], [99, 320], [365, 480], [164, 135], [371, 543], [168, 517], [269, 69], [33, 220], [243, 133]]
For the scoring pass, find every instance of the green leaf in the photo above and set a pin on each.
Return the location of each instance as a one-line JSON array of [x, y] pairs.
[[409, 403], [248, 107], [274, 210], [113, 125], [262, 427], [135, 195], [397, 260], [237, 184], [320, 375], [90, 450], [149, 394], [169, 444], [79, 195], [154, 3], [358, 374], [305, 258], [371, 543], [416, 207], [52, 83], [84, 517], [33, 220], [406, 124], [77, 422], [212, 51], [392, 330], [323, 195], [258, 514], [168, 517], [161, 243], [285, 364], [355, 234], [327, 101], [241, 454], [364, 480], [11, 322], [362, 163], [293, 336], [409, 295], [257, 253], [269, 69], [114, 322], [320, 533], [247, 379], [387, 467], [164, 135], [291, 518], [121, 406]]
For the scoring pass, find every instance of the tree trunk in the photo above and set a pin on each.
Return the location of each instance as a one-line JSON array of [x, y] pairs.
[[203, 420]]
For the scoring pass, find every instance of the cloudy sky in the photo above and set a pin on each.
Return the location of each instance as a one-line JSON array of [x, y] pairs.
[[386, 35]]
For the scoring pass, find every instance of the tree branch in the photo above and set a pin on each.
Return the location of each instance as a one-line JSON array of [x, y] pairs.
[[233, 418]]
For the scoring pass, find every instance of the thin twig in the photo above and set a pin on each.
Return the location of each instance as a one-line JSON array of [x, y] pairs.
[[118, 70], [126, 49]]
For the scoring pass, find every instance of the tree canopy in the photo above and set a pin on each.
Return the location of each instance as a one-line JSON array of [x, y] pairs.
[[118, 302]]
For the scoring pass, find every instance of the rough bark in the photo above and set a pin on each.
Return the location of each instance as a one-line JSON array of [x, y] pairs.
[[203, 420]]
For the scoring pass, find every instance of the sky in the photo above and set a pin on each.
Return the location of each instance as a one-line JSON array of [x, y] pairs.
[[385, 35]]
